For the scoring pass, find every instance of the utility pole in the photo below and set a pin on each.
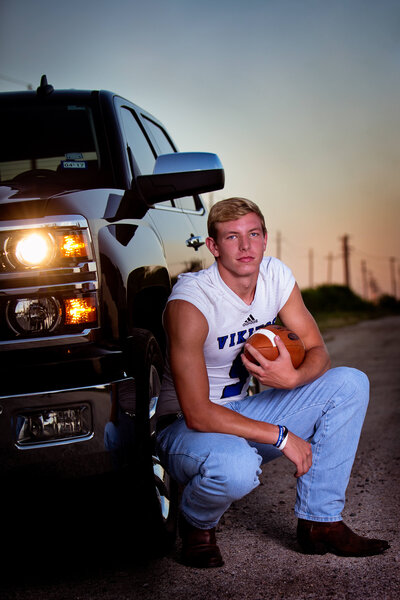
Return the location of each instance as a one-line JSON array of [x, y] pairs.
[[398, 272], [392, 262], [364, 278], [373, 286], [329, 274], [311, 268], [346, 253], [278, 244]]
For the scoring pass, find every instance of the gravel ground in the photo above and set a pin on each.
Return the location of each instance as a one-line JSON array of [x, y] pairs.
[[257, 534]]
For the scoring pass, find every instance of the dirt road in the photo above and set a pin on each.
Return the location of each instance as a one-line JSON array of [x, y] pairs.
[[257, 535]]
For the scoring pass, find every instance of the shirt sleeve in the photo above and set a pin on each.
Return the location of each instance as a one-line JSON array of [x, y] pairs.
[[186, 288], [282, 278]]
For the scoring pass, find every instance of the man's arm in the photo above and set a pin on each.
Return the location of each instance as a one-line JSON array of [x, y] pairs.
[[187, 331], [281, 373]]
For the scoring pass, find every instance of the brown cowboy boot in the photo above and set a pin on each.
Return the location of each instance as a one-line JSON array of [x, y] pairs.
[[199, 546], [318, 538]]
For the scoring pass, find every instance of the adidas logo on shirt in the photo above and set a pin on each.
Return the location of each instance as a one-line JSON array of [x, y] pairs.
[[250, 321]]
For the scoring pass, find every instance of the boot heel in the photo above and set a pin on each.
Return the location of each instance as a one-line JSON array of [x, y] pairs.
[[309, 547]]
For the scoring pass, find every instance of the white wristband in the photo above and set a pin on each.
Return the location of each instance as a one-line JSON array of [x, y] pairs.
[[284, 442]]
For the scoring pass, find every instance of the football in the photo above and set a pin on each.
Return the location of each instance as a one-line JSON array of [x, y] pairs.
[[264, 341]]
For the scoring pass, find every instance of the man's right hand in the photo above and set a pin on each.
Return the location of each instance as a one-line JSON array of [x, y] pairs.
[[299, 453]]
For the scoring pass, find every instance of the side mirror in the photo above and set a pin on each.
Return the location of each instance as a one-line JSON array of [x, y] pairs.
[[182, 174]]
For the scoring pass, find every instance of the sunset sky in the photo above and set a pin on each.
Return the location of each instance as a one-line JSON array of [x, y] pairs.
[[299, 98]]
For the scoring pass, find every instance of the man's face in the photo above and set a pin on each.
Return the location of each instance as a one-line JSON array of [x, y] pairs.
[[240, 245]]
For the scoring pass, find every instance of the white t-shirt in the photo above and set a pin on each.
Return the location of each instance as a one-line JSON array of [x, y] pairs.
[[230, 322]]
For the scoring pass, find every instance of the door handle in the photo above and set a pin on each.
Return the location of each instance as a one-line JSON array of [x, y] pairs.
[[195, 241]]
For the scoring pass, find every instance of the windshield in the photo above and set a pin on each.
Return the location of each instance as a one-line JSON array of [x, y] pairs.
[[48, 144]]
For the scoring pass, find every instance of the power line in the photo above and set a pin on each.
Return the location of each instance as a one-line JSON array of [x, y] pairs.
[[370, 256], [369, 284], [26, 84]]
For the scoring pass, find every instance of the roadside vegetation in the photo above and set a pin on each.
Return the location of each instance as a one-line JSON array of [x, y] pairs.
[[336, 306]]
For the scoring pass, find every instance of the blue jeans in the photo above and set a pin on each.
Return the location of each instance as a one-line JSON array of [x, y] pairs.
[[217, 469]]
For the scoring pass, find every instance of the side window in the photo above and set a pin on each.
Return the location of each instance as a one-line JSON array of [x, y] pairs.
[[164, 144], [186, 203], [138, 145], [139, 148]]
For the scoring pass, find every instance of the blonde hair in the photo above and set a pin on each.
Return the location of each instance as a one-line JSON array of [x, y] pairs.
[[231, 209]]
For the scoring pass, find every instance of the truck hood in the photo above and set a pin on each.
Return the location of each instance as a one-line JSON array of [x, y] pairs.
[[18, 204], [92, 204]]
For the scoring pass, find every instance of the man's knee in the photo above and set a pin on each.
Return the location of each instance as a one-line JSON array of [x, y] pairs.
[[353, 381], [235, 474]]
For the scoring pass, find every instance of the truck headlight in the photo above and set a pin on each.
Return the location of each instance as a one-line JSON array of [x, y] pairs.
[[34, 249], [31, 249], [49, 271], [49, 314], [34, 315]]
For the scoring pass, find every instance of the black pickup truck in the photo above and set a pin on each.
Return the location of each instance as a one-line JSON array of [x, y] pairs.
[[99, 214]]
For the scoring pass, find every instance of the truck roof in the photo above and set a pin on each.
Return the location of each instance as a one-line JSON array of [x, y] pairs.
[[59, 95]]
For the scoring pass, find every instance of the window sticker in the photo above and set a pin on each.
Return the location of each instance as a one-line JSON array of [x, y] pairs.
[[74, 160], [74, 164]]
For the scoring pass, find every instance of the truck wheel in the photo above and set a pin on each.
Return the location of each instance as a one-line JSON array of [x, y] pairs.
[[254, 387], [160, 497]]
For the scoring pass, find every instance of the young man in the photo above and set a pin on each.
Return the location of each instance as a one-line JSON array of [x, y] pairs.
[[212, 436]]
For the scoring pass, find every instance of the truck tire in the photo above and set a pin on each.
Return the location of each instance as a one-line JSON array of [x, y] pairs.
[[159, 499], [254, 387]]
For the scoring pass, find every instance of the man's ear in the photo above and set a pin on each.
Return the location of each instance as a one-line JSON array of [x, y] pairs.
[[212, 246], [265, 241]]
